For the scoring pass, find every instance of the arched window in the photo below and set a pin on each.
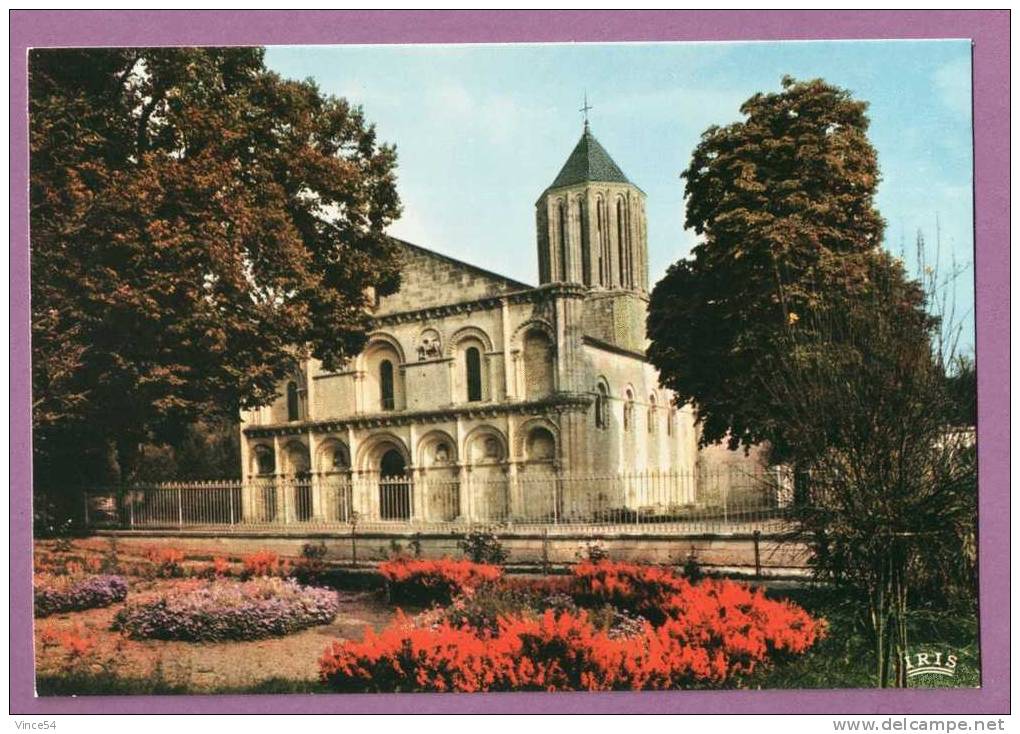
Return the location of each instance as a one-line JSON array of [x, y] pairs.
[[562, 221], [651, 413], [386, 384], [623, 246], [628, 411], [601, 406], [585, 245], [600, 223], [293, 402], [265, 460], [473, 367]]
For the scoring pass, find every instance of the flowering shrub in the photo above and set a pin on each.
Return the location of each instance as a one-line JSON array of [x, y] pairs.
[[483, 546], [55, 594], [635, 588], [554, 652], [264, 563], [542, 585], [424, 581], [220, 567], [743, 622], [74, 643], [514, 637], [230, 610], [167, 561]]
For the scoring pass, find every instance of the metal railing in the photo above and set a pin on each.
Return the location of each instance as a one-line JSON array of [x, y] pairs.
[[673, 502]]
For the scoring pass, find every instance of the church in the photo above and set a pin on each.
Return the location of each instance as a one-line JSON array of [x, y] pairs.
[[478, 397]]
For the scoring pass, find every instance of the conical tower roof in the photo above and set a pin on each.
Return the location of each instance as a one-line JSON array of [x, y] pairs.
[[589, 161]]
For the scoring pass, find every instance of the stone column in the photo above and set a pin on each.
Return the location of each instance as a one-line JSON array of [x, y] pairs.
[[509, 389], [560, 352], [359, 391], [415, 475], [282, 510], [451, 374], [466, 500], [516, 379], [315, 471], [514, 490], [359, 499]]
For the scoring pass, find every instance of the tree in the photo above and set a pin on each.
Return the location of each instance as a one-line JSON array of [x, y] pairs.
[[784, 201], [863, 398], [198, 223], [790, 325]]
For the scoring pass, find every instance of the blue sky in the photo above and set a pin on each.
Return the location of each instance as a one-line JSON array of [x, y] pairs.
[[482, 130]]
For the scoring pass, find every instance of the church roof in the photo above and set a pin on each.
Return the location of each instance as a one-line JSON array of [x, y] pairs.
[[588, 162]]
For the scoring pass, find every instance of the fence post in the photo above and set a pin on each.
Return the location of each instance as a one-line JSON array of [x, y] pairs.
[[285, 485], [230, 502], [726, 495], [757, 555], [86, 496], [131, 509], [545, 550], [180, 507]]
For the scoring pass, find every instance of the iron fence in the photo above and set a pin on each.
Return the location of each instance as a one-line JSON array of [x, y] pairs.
[[666, 502]]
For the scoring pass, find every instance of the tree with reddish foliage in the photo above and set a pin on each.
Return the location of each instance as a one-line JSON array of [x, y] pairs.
[[197, 223]]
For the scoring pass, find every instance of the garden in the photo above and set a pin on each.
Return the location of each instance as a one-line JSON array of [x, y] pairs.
[[122, 617]]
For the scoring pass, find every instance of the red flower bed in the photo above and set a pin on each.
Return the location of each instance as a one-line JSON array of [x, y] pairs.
[[167, 561], [264, 563], [710, 634], [424, 581], [639, 589], [555, 652], [714, 611]]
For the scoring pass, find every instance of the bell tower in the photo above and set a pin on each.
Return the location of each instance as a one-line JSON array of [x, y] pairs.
[[591, 223], [591, 231]]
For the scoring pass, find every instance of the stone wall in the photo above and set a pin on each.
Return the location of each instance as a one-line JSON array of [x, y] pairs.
[[724, 553], [617, 318], [428, 279]]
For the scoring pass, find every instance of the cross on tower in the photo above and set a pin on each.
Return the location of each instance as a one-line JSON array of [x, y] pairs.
[[585, 110]]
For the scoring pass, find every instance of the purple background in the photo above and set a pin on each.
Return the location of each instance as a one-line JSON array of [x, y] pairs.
[[990, 33]]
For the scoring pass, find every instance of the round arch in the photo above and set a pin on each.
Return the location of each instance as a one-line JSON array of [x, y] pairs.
[[485, 444], [525, 431], [464, 333], [517, 340], [296, 459], [371, 452], [430, 450], [379, 339], [262, 460], [333, 456]]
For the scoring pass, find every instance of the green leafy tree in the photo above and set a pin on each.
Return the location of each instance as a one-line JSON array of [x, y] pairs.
[[784, 202], [890, 482], [197, 224], [790, 325]]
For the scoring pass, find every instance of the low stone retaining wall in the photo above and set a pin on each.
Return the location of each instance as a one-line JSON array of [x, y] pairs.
[[739, 554]]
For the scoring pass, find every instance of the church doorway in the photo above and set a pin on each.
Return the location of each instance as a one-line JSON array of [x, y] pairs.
[[394, 489]]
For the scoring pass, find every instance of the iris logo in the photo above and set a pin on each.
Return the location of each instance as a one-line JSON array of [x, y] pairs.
[[931, 663]]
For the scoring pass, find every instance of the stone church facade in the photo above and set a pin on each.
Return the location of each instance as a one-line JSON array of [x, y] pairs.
[[472, 379]]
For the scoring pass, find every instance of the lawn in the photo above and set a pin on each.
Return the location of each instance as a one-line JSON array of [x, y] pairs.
[[78, 652]]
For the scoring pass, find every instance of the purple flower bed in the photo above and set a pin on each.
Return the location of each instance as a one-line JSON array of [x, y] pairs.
[[230, 610], [54, 594]]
